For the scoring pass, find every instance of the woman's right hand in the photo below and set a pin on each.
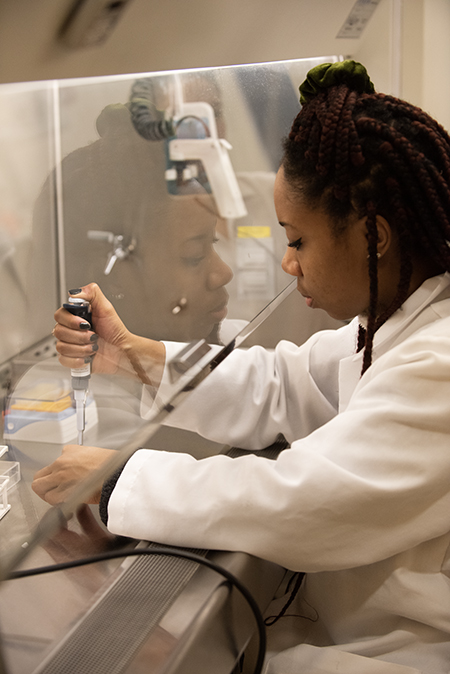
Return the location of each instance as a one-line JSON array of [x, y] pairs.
[[106, 339], [112, 348]]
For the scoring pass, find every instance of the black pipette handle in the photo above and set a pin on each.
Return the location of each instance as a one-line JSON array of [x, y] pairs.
[[79, 307]]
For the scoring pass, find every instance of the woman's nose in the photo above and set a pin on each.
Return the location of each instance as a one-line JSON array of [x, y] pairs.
[[290, 264], [220, 273]]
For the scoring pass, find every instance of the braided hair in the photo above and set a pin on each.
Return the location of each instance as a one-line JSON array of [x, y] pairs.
[[356, 151]]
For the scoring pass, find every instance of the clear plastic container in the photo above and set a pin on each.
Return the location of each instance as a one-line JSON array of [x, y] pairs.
[[10, 470], [4, 505]]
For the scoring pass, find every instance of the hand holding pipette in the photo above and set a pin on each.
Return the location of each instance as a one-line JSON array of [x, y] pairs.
[[116, 349]]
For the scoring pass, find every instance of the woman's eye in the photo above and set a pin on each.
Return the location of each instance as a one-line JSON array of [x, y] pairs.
[[193, 261], [295, 244]]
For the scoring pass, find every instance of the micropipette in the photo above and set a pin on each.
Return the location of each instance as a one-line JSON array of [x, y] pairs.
[[80, 376]]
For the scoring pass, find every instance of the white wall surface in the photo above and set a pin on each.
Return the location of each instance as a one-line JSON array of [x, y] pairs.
[[425, 49], [436, 60], [374, 49]]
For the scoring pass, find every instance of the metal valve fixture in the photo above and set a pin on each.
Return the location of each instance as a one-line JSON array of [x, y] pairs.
[[119, 251]]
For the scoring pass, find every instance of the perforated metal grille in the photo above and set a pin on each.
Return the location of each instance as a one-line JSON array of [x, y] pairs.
[[123, 619]]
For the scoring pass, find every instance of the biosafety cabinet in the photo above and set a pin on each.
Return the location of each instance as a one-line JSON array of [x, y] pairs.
[[157, 187]]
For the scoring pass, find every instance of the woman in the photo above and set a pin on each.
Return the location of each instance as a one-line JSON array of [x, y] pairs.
[[361, 500]]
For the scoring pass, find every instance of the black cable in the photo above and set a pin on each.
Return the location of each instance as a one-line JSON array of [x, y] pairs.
[[168, 552], [271, 620]]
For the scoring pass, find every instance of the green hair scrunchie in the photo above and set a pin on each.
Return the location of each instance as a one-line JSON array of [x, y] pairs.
[[326, 75]]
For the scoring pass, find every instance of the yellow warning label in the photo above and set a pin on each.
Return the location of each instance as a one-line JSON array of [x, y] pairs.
[[253, 232]]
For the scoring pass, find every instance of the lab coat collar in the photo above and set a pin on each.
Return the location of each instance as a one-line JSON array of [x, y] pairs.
[[433, 289]]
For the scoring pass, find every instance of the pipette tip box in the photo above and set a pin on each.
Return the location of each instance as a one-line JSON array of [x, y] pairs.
[[45, 412]]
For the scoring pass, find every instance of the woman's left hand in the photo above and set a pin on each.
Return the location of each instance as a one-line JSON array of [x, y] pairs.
[[68, 545], [55, 482]]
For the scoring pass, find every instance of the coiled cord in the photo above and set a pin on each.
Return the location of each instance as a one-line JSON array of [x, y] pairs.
[[143, 112]]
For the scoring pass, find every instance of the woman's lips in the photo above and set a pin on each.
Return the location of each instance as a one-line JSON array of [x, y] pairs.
[[219, 312], [309, 300]]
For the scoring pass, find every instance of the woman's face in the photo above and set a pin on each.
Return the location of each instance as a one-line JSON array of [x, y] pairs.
[[186, 277], [331, 271]]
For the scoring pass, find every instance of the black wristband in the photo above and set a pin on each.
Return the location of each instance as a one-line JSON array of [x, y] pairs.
[[107, 490]]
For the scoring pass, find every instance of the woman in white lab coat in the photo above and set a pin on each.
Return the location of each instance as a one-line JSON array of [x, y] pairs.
[[361, 499]]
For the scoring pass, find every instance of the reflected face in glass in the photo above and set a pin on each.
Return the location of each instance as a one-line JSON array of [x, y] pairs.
[[186, 277]]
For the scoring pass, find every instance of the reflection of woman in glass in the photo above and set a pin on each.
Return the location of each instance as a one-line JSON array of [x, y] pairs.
[[172, 283], [184, 275]]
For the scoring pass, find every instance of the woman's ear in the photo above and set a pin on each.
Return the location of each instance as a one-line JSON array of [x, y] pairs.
[[384, 236]]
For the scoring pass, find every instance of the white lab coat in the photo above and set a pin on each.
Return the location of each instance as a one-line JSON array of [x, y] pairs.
[[361, 500]]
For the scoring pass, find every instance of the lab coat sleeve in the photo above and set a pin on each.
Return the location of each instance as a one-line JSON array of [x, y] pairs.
[[247, 400], [369, 483]]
